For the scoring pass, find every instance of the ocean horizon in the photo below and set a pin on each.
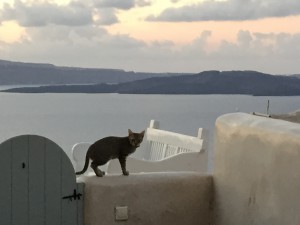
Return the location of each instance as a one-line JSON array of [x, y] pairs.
[[71, 118]]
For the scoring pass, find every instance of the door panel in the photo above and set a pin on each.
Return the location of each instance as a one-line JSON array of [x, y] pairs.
[[53, 184], [5, 184], [69, 207], [20, 180], [36, 180]]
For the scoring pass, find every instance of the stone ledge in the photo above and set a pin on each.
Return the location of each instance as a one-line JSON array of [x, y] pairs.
[[152, 198]]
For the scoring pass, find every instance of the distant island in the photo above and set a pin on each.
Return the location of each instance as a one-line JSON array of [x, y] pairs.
[[48, 78], [208, 82], [20, 73]]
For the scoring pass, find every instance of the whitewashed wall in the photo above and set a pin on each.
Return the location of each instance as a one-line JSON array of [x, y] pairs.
[[257, 171]]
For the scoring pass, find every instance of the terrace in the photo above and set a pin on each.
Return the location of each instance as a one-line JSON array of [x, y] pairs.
[[255, 181]]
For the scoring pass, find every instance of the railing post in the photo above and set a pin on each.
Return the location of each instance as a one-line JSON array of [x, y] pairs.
[[204, 135], [154, 124], [200, 133]]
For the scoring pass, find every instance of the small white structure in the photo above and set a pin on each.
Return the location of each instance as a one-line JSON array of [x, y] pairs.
[[163, 151]]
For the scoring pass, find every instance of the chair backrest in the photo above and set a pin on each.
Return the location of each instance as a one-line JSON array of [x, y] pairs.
[[162, 144]]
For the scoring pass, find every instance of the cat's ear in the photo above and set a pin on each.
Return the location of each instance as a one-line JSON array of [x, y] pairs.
[[130, 132], [142, 133]]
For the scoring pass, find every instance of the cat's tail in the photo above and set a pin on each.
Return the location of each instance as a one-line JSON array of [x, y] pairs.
[[86, 164]]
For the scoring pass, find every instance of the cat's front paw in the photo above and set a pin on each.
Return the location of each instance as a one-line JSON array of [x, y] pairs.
[[125, 173]]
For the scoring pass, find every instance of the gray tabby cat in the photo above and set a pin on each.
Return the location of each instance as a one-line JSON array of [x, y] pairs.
[[109, 148]]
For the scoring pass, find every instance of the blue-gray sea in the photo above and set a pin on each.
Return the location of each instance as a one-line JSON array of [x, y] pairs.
[[71, 118]]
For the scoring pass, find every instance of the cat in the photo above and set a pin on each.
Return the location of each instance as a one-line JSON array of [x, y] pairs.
[[109, 148]]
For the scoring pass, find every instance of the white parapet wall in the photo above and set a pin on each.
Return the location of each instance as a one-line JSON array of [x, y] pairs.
[[175, 198], [257, 171], [192, 161]]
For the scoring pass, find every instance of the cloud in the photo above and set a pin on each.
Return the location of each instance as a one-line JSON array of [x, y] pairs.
[[121, 4], [87, 46], [106, 16], [143, 3], [75, 13], [277, 52], [230, 10], [62, 35], [90, 46], [118, 4], [42, 14]]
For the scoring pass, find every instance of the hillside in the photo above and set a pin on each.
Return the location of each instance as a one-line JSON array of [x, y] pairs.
[[18, 73], [208, 82]]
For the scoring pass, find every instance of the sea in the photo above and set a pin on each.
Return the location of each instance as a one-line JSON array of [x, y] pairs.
[[71, 118]]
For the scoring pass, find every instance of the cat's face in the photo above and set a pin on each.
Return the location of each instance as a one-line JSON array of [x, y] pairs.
[[135, 139]]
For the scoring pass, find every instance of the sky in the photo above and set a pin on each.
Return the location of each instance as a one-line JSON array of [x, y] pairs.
[[154, 35]]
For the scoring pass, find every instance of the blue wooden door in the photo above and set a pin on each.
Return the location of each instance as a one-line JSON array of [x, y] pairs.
[[39, 184]]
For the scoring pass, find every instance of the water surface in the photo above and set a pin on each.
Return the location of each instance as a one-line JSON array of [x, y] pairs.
[[71, 118]]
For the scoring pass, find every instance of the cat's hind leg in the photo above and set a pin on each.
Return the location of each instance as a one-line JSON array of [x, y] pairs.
[[98, 172]]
